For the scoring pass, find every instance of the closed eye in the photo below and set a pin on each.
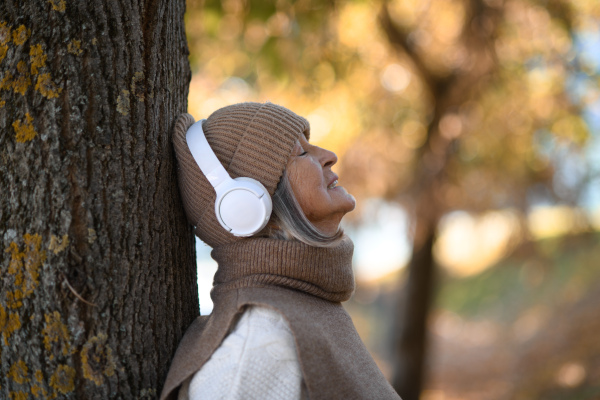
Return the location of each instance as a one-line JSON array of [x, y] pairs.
[[303, 153]]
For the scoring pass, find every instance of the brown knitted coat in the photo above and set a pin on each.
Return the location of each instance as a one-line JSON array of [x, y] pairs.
[[306, 285]]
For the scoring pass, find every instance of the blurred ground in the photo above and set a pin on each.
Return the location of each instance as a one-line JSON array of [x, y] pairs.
[[526, 328]]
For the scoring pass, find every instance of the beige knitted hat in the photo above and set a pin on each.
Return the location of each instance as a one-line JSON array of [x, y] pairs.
[[250, 139]]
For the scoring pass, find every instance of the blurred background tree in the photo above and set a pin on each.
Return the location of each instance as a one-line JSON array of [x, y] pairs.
[[436, 105]]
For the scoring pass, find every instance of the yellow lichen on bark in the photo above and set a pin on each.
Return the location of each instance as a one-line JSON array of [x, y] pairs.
[[20, 35], [58, 5], [92, 235], [22, 80], [18, 372], [123, 102], [14, 299], [3, 51], [97, 359], [20, 395], [74, 47], [15, 267], [6, 82], [9, 323], [16, 258], [55, 332], [39, 392], [24, 132], [57, 245], [24, 265], [39, 376], [62, 380], [137, 87], [46, 86], [34, 258], [37, 58], [4, 32]]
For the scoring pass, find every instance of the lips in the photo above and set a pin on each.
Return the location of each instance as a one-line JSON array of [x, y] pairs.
[[333, 182]]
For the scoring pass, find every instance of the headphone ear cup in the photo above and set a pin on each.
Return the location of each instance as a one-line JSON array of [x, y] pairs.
[[243, 207], [261, 188]]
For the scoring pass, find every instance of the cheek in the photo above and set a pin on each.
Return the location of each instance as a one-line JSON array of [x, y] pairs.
[[302, 191], [307, 187], [294, 178]]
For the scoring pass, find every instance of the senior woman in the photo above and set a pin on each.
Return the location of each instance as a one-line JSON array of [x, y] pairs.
[[278, 329]]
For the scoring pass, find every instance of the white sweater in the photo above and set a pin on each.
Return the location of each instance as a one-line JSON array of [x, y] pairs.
[[257, 360]]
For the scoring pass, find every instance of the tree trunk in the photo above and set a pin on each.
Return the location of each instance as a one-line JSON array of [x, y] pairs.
[[410, 339], [98, 263]]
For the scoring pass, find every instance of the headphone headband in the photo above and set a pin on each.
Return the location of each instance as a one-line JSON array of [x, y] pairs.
[[208, 162]]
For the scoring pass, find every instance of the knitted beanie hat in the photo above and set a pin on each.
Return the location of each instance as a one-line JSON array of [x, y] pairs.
[[254, 140]]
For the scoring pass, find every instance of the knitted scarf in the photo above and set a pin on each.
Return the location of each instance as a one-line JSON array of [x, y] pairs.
[[322, 272], [306, 285]]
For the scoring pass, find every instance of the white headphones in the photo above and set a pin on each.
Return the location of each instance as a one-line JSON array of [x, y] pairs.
[[243, 205]]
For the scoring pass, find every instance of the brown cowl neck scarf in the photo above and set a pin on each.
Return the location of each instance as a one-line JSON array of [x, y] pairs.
[[306, 285]]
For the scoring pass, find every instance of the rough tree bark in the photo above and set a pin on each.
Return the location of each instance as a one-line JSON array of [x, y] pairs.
[[97, 260]]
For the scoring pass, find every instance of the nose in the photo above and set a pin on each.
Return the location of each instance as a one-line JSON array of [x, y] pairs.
[[328, 158]]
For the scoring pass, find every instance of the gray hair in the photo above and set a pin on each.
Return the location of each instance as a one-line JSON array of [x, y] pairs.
[[288, 221]]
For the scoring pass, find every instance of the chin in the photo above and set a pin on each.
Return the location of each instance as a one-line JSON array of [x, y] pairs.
[[348, 200], [353, 202]]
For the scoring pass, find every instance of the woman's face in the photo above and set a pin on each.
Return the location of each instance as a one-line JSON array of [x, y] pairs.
[[315, 186]]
